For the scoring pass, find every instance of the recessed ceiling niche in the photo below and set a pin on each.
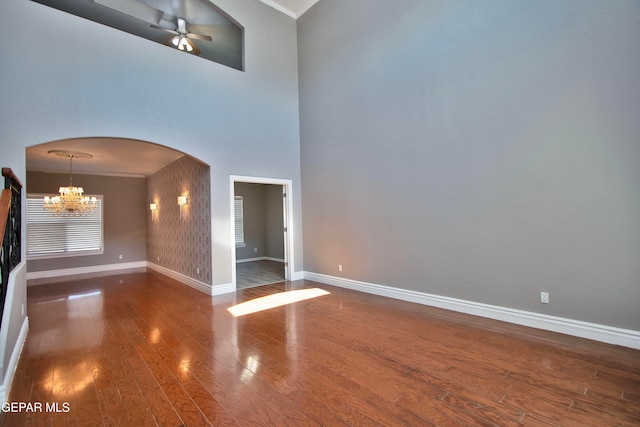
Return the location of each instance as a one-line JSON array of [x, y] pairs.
[[196, 27]]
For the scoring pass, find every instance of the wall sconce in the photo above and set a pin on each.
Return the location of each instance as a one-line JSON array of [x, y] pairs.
[[153, 207], [182, 200]]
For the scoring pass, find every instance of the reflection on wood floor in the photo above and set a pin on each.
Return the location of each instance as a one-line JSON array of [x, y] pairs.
[[144, 350], [256, 273]]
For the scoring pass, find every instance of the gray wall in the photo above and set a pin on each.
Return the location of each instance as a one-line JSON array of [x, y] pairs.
[[73, 78], [262, 221], [478, 150], [274, 220], [125, 217]]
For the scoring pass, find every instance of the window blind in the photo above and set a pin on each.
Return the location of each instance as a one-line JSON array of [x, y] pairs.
[[53, 236], [239, 219]]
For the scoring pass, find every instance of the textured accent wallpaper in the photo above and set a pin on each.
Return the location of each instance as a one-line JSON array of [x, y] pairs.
[[179, 238]]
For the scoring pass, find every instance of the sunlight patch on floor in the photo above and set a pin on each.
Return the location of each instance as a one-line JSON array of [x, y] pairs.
[[275, 300]]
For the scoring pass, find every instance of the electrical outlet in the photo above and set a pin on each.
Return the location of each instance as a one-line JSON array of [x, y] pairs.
[[120, 256], [197, 271], [255, 249], [544, 297], [339, 267]]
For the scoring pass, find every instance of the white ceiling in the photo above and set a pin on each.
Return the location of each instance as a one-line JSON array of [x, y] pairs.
[[111, 156], [293, 8]]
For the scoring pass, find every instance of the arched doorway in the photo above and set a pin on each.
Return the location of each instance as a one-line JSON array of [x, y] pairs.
[[131, 175]]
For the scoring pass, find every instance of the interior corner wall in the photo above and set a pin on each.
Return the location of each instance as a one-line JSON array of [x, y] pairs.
[[179, 237], [124, 218], [485, 151]]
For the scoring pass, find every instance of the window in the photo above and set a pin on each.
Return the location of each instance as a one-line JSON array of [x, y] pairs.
[[50, 236], [239, 218]]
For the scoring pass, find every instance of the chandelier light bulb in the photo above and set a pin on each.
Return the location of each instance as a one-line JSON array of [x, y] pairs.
[[70, 200]]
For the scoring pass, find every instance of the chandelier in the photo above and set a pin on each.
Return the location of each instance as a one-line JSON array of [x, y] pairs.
[[70, 200]]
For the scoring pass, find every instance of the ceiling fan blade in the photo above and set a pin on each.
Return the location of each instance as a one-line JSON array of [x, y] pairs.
[[164, 29], [199, 37]]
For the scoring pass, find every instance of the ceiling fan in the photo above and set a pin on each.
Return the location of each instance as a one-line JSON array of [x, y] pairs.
[[182, 38]]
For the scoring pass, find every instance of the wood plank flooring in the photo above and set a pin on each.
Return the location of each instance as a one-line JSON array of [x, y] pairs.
[[257, 273], [143, 350]]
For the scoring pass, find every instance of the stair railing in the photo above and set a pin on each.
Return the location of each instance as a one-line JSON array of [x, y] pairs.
[[10, 224]]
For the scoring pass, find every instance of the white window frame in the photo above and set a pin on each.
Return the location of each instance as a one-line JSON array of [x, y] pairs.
[[36, 214], [238, 213]]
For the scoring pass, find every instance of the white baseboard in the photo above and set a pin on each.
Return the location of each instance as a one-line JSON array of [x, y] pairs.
[[240, 261], [260, 258], [10, 371], [195, 284], [47, 274], [297, 275], [593, 331], [230, 288], [114, 268], [223, 289]]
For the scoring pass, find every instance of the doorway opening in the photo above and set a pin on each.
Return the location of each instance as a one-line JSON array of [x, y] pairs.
[[261, 234], [144, 227]]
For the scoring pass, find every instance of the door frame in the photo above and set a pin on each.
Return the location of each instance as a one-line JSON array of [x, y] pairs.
[[287, 204]]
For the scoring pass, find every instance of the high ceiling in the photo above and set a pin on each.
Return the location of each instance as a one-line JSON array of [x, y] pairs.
[[113, 156], [293, 8], [213, 35]]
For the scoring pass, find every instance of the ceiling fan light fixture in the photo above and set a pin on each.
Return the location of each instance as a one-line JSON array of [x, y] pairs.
[[183, 43], [182, 39], [187, 44]]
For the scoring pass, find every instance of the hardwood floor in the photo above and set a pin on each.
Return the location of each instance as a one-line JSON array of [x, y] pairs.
[[258, 273], [144, 350]]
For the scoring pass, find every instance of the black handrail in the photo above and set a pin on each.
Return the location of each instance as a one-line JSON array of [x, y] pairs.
[[10, 251]]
